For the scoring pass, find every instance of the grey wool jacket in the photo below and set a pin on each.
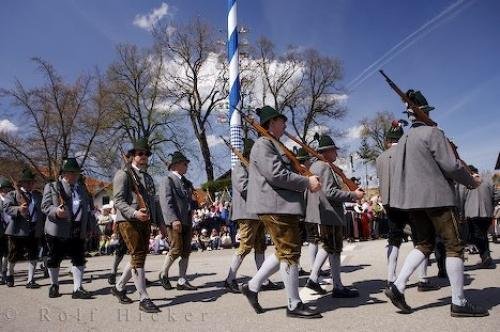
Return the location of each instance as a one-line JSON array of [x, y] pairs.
[[175, 200], [62, 228], [383, 164], [125, 198], [425, 169], [479, 202], [273, 187], [326, 206], [19, 225], [239, 181]]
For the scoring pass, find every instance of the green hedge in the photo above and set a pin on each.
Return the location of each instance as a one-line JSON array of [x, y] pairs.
[[216, 186]]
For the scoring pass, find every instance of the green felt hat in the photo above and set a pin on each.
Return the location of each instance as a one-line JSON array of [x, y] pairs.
[[27, 175], [177, 157], [5, 183], [394, 132], [70, 165], [267, 113], [325, 142], [418, 98], [301, 154], [140, 144]]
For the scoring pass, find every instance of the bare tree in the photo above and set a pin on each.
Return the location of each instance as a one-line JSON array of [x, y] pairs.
[[196, 80], [373, 131], [135, 81], [59, 120]]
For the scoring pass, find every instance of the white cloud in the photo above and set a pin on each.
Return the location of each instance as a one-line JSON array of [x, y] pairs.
[[147, 21], [7, 127], [354, 133]]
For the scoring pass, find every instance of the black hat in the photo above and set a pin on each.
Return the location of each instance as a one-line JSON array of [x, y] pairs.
[[267, 113], [140, 144], [395, 131], [418, 98], [177, 157], [473, 169], [325, 142], [27, 175], [70, 165], [247, 146], [301, 154], [5, 183]]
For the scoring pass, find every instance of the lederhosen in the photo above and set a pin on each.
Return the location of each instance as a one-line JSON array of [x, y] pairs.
[[74, 246]]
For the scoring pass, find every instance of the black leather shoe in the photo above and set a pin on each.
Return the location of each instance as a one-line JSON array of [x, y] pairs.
[[232, 287], [427, 286], [186, 286], [112, 279], [2, 280], [345, 293], [45, 273], [9, 280], [148, 306], [487, 263], [32, 285], [121, 296], [398, 299], [303, 311], [252, 297], [165, 282], [468, 310], [54, 291], [315, 287], [270, 286], [148, 283], [81, 294], [302, 272]]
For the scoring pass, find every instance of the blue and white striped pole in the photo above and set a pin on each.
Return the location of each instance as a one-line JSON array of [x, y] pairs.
[[234, 79]]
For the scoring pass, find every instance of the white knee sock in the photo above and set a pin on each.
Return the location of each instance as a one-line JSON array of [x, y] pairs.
[[54, 275], [271, 265], [77, 277], [116, 261], [392, 262], [183, 265], [290, 275], [412, 261], [312, 250], [4, 265], [169, 260], [335, 270], [125, 277], [317, 264], [31, 270], [233, 268], [455, 270], [140, 283]]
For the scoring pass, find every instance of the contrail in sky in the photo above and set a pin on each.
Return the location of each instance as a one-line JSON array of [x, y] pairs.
[[448, 13]]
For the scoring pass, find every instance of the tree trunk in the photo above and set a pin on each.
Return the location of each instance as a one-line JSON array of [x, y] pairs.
[[205, 152]]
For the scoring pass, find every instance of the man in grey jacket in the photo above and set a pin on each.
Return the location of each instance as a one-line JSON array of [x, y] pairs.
[[23, 208], [5, 188], [326, 209], [252, 232], [276, 195], [422, 182], [478, 207], [177, 205], [134, 199], [398, 219], [67, 206]]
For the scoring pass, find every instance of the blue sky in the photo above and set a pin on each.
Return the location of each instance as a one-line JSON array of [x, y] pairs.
[[453, 59]]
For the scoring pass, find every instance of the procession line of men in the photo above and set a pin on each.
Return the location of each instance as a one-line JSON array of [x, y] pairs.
[[269, 196]]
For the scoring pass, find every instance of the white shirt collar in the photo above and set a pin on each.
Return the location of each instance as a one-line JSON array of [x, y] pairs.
[[177, 174]]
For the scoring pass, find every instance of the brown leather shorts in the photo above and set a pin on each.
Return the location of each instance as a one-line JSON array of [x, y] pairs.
[[180, 242], [135, 234], [252, 235], [285, 233]]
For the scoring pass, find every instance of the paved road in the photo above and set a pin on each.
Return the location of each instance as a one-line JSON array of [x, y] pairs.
[[210, 308]]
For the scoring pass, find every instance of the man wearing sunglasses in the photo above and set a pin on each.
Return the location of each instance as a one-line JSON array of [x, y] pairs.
[[134, 197]]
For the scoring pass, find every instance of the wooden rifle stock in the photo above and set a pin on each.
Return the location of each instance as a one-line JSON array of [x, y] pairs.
[[297, 166], [422, 116], [22, 198], [348, 182], [237, 152]]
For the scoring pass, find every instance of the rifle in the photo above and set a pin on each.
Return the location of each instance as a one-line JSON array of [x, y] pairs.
[[22, 198], [141, 203], [237, 152], [297, 166], [422, 116], [348, 182]]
